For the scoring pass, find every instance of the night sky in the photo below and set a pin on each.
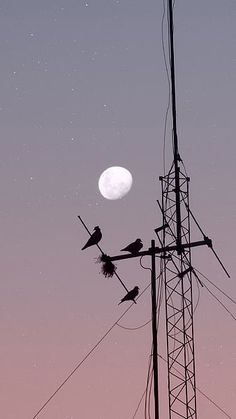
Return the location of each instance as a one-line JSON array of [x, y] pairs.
[[83, 88]]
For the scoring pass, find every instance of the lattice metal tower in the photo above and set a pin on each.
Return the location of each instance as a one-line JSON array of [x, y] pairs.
[[177, 271], [177, 277]]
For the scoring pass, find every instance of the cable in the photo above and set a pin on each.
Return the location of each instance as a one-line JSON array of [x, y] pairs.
[[149, 395], [86, 357], [106, 334], [115, 273], [79, 365], [147, 322], [214, 403], [201, 392], [139, 404], [197, 388], [198, 298], [214, 285], [134, 328], [147, 391], [149, 381], [148, 384], [211, 246], [220, 302], [142, 266]]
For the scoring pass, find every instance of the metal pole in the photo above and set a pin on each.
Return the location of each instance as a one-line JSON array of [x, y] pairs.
[[175, 136], [154, 330]]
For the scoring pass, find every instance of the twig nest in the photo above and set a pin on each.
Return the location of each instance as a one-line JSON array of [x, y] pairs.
[[108, 268]]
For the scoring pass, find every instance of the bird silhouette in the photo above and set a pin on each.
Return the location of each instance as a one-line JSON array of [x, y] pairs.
[[134, 247], [130, 296], [94, 238]]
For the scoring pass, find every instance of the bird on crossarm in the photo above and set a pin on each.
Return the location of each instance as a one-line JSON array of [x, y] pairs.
[[133, 247]]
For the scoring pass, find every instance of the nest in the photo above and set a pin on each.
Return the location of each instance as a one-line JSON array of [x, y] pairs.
[[108, 268]]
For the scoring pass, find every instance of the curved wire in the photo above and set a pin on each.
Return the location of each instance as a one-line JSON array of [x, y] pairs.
[[142, 266], [198, 298], [134, 328], [147, 322]]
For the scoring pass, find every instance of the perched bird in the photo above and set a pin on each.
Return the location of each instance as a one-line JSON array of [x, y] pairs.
[[94, 238], [134, 247], [130, 296]]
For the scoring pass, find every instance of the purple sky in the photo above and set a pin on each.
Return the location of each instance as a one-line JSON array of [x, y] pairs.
[[83, 87]]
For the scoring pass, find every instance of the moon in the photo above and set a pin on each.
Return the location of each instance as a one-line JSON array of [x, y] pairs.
[[115, 182]]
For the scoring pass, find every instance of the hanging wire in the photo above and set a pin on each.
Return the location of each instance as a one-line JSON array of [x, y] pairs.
[[214, 285], [211, 247], [198, 298], [201, 392], [158, 304], [115, 273], [216, 405], [142, 266], [149, 395], [149, 381], [139, 404], [93, 350], [148, 385], [214, 296], [134, 328], [148, 321], [86, 357], [150, 376], [220, 302]]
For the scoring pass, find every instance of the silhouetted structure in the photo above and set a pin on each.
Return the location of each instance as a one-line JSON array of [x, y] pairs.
[[134, 247], [131, 295], [177, 273], [94, 238]]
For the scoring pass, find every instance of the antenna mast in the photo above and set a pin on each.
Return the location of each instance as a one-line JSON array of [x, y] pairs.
[[175, 136], [177, 272]]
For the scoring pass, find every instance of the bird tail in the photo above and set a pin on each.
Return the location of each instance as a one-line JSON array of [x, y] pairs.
[[84, 247]]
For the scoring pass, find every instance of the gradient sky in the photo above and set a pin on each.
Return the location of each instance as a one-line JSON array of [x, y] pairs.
[[83, 87]]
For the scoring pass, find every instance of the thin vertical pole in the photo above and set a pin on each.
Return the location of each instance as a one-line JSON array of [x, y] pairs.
[[154, 331], [175, 136]]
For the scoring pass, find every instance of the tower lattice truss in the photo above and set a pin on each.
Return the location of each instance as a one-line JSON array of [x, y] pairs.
[[177, 276]]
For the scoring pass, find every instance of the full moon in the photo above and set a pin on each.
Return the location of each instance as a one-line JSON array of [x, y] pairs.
[[115, 182]]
